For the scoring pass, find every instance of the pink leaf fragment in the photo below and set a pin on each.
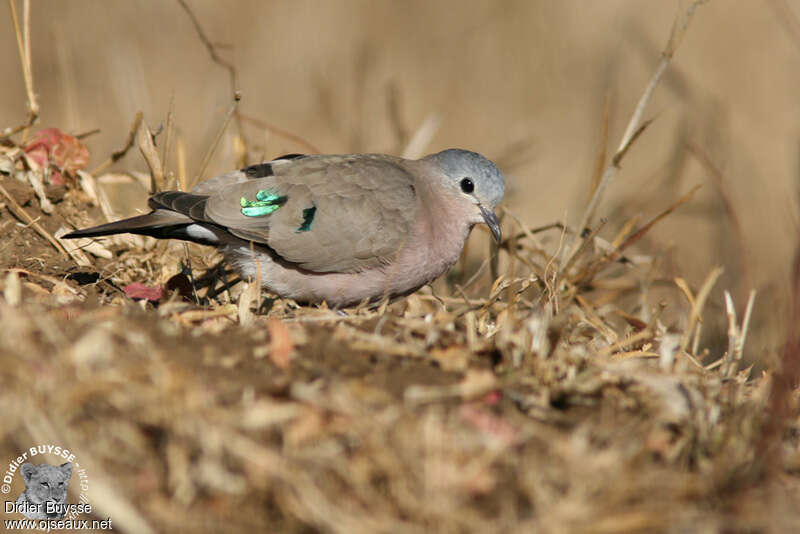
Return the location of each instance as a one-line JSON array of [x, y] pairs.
[[492, 398], [52, 147], [490, 424], [140, 291]]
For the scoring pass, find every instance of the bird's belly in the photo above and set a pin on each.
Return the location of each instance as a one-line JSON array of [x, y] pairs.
[[411, 268], [337, 289]]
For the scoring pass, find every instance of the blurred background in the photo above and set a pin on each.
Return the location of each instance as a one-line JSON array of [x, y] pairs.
[[526, 83]]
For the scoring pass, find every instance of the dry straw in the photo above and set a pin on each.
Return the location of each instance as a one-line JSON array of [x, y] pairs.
[[554, 397]]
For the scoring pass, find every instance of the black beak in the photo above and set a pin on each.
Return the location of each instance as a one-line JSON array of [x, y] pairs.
[[493, 223]]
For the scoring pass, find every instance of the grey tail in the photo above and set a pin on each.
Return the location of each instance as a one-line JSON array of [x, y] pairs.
[[161, 224]]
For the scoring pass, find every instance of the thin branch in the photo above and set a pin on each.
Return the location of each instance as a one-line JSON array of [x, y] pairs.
[[643, 230], [213, 147], [600, 158], [84, 135], [699, 302], [728, 366], [117, 155], [26, 33], [20, 213], [279, 132], [635, 126], [212, 50], [746, 321], [170, 127], [23, 45], [147, 148], [727, 201]]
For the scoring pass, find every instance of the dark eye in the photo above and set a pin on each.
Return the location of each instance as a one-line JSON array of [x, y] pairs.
[[467, 186]]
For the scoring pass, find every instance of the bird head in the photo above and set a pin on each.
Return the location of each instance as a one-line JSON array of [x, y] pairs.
[[473, 178]]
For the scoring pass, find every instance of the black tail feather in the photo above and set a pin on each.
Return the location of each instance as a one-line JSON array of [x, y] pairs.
[[159, 223]]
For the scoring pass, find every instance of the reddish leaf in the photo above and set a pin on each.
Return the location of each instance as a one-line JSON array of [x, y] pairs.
[[492, 398], [70, 155], [52, 147], [139, 291], [488, 423]]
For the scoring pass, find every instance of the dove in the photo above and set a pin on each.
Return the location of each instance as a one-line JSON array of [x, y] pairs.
[[343, 229]]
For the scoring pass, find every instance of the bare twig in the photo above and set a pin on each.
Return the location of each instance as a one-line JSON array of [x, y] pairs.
[[727, 201], [600, 159], [215, 57], [630, 340], [89, 133], [183, 179], [698, 304], [280, 132], [733, 335], [212, 50], [26, 29], [148, 150], [746, 321], [24, 47], [117, 155], [635, 125], [22, 215], [644, 229], [594, 267], [736, 334], [170, 127], [217, 139]]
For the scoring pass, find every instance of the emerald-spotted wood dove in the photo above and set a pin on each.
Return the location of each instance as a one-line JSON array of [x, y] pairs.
[[333, 228]]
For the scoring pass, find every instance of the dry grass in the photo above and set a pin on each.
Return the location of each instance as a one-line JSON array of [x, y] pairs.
[[565, 383]]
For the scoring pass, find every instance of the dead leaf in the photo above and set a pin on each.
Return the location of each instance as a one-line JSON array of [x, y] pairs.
[[140, 291], [281, 345], [51, 147]]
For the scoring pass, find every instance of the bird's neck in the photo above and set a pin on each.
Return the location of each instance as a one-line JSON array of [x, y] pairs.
[[447, 224]]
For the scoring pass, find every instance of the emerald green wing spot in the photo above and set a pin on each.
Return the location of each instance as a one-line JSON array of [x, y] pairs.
[[266, 202], [308, 218], [265, 195]]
